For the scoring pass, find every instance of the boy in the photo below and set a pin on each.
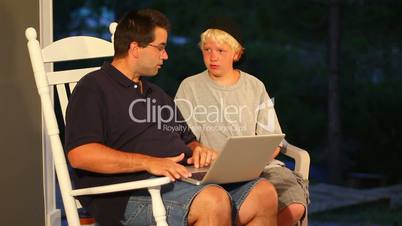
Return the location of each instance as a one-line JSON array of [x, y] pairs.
[[244, 109]]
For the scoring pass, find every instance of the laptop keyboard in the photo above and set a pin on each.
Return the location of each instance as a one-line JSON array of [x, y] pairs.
[[198, 175]]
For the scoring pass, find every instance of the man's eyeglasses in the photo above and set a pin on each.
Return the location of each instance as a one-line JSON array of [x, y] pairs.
[[161, 48]]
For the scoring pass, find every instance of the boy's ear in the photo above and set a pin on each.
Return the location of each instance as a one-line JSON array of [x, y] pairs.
[[237, 56]]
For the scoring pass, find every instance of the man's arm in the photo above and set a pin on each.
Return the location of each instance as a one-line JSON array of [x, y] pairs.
[[98, 158]]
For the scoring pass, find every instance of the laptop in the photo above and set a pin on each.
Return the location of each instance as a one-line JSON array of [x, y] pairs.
[[242, 158]]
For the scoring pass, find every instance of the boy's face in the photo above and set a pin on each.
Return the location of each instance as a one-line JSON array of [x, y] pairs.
[[218, 57]]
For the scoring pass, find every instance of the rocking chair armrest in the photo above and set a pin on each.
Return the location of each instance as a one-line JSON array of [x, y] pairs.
[[147, 183], [301, 157]]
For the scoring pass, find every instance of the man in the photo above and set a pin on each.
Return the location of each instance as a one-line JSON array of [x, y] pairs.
[[117, 130], [243, 107]]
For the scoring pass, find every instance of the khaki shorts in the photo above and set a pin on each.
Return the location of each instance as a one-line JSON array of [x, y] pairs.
[[290, 187]]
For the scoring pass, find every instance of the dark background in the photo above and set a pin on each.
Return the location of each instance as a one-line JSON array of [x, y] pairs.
[[333, 68]]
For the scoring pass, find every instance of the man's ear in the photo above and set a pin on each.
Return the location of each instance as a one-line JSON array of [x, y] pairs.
[[133, 49]]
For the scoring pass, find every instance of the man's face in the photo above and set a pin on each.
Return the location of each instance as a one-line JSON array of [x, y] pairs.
[[218, 57], [152, 56]]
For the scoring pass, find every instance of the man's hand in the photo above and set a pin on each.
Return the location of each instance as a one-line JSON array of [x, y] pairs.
[[167, 167], [202, 156]]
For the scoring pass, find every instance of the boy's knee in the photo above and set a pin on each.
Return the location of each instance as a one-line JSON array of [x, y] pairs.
[[297, 211], [267, 195], [264, 187]]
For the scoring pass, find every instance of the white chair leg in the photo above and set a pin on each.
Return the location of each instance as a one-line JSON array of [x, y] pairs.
[[71, 212], [158, 208]]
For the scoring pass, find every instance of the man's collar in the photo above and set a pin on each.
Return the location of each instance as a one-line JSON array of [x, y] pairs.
[[120, 78], [117, 75]]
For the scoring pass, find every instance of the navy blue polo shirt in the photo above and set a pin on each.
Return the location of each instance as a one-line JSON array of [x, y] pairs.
[[108, 108]]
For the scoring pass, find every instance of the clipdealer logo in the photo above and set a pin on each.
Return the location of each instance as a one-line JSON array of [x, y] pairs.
[[166, 116], [160, 114], [268, 107]]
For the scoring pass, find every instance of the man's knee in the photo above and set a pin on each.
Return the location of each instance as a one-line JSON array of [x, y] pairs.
[[211, 202], [214, 198]]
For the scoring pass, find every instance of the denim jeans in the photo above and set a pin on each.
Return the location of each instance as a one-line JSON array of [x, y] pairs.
[[177, 198]]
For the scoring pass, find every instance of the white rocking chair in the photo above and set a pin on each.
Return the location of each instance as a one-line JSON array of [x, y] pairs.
[[77, 48]]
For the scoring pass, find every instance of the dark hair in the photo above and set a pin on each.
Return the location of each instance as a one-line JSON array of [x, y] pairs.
[[138, 26]]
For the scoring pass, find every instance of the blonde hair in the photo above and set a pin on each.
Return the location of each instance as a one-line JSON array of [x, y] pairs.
[[222, 37]]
